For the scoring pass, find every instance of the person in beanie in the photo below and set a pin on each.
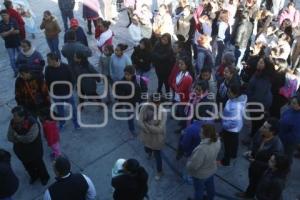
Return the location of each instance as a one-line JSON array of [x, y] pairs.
[[80, 35], [68, 185], [132, 183], [9, 31], [9, 182], [25, 134], [66, 8]]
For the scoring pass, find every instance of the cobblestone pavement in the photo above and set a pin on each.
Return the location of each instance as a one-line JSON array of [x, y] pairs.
[[93, 151]]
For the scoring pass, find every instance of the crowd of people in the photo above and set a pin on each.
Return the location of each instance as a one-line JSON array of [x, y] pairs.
[[217, 63]]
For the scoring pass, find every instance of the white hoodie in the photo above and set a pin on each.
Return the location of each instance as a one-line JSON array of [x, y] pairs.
[[233, 114]]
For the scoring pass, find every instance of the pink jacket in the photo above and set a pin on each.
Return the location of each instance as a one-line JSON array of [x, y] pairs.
[[293, 16]]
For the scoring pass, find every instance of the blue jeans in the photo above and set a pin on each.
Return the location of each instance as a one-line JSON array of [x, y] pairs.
[[61, 110], [53, 44], [13, 53], [66, 14], [157, 157], [201, 185]]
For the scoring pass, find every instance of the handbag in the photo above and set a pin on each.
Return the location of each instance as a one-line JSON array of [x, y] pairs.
[[289, 88]]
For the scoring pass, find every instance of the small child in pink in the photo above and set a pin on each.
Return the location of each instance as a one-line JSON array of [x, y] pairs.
[[51, 133]]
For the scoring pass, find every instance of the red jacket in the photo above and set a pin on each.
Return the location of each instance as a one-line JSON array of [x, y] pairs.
[[184, 87], [18, 18]]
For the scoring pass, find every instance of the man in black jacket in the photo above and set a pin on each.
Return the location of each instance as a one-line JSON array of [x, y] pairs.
[[265, 144], [69, 186], [131, 183], [56, 72], [9, 182], [124, 90], [66, 8]]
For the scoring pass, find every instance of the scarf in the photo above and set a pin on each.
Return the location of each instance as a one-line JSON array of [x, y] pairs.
[[29, 52], [194, 100], [104, 37]]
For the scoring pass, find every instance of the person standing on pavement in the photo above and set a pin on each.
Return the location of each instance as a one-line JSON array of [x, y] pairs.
[[58, 71], [266, 142], [152, 121], [232, 122], [10, 33], [290, 127], [30, 57], [118, 62], [71, 47], [68, 185], [66, 8], [9, 182], [242, 37], [273, 182], [130, 82], [80, 35], [52, 30], [17, 17], [202, 164], [131, 183], [31, 92], [90, 12], [25, 134]]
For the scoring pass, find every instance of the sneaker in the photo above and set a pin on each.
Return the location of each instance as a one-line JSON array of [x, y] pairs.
[[158, 176]]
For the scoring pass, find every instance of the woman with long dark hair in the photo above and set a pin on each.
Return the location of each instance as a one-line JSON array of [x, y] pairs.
[[141, 56], [259, 91], [273, 182], [163, 60]]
